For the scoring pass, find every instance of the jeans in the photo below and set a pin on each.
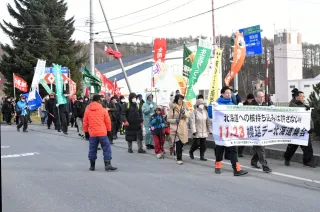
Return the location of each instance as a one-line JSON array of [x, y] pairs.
[[105, 145]]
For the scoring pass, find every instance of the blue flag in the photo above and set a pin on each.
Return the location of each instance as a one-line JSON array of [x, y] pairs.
[[35, 103]]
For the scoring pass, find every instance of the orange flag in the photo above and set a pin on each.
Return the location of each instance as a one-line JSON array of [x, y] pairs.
[[238, 57]]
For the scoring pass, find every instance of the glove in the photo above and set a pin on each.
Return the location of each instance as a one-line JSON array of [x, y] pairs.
[[87, 136], [109, 134], [126, 123], [177, 121], [151, 106], [182, 112], [194, 134], [307, 107], [310, 131], [151, 128], [210, 133], [57, 105], [240, 104]]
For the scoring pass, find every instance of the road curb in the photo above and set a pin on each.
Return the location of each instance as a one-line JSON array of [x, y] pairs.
[[272, 153]]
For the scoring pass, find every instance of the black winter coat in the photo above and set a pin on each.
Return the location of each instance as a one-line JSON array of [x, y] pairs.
[[7, 107], [51, 106], [132, 113], [78, 109]]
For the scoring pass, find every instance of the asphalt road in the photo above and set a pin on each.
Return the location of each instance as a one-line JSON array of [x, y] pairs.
[[46, 171]]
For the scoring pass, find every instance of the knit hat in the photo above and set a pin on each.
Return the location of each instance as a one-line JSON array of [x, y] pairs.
[[250, 96]]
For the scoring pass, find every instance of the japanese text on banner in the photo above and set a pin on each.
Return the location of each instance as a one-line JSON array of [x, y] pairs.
[[213, 93], [38, 73], [248, 125]]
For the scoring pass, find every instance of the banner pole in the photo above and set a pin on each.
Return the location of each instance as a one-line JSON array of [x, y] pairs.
[[14, 88]]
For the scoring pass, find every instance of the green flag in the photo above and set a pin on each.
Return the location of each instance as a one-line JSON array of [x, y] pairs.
[[199, 65], [45, 86], [90, 80], [59, 84], [188, 58]]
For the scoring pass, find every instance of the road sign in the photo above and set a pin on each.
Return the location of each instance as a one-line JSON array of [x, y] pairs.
[[49, 70], [252, 37], [49, 78]]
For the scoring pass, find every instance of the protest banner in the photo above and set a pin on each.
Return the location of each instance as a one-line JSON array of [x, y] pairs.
[[260, 126]]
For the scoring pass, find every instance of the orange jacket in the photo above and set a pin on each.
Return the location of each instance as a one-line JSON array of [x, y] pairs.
[[96, 120]]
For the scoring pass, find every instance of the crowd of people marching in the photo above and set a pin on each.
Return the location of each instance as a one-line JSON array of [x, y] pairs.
[[100, 119]]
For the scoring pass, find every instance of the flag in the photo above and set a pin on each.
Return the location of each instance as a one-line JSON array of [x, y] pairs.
[[188, 58], [199, 65], [116, 88], [183, 87], [213, 92], [20, 84], [107, 84], [72, 88], [90, 80], [38, 73], [160, 49], [59, 84], [45, 86], [238, 57]]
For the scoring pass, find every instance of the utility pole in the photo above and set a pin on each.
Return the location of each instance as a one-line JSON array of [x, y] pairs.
[[213, 25], [116, 48], [92, 66], [267, 75]]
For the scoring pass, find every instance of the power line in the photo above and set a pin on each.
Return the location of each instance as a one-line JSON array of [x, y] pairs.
[[122, 16], [182, 20], [156, 16]]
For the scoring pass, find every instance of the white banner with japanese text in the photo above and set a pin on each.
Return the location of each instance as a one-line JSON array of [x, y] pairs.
[[260, 126]]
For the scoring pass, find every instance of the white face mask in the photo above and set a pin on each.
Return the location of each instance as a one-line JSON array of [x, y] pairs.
[[122, 100], [23, 100], [201, 107], [138, 101], [134, 100]]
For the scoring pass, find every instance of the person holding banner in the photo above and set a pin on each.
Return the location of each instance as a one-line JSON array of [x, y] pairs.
[[225, 99], [51, 109], [259, 153], [22, 107], [308, 159]]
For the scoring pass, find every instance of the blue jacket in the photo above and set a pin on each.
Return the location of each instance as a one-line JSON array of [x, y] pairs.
[[234, 99], [158, 122], [22, 106], [224, 101]]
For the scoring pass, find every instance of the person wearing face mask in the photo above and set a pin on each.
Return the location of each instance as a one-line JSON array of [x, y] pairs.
[[121, 103], [52, 112], [22, 111], [147, 111], [157, 125], [200, 125], [140, 100], [7, 110], [131, 116], [231, 151], [177, 117]]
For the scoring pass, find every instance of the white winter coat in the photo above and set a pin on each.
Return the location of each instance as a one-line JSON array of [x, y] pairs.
[[200, 122]]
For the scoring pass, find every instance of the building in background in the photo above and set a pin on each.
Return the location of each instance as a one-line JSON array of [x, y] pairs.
[[288, 60]]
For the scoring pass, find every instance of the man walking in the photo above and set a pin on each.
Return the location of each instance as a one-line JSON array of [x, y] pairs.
[[96, 125], [259, 153]]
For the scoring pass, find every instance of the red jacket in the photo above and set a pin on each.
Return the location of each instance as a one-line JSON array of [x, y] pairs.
[[96, 120]]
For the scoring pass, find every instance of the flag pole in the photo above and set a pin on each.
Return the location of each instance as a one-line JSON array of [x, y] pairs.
[[14, 88]]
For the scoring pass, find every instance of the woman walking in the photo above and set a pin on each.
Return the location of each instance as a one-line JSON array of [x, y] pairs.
[[177, 118], [200, 125]]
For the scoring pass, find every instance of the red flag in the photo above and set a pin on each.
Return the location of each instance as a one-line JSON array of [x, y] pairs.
[[107, 84], [87, 91], [20, 84], [160, 49], [72, 88], [116, 54], [116, 88]]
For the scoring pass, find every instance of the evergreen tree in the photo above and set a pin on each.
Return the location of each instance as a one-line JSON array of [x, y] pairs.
[[42, 32], [314, 101]]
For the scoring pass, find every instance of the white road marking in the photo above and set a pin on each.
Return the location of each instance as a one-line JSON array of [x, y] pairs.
[[3, 147], [274, 173], [20, 155]]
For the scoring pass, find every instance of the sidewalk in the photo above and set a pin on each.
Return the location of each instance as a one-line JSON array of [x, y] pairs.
[[275, 151]]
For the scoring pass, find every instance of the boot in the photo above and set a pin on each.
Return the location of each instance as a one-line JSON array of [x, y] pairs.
[[237, 171], [171, 150], [130, 151], [108, 166], [130, 147], [266, 169], [218, 168], [202, 151], [141, 151], [92, 165], [287, 162], [191, 154], [255, 165]]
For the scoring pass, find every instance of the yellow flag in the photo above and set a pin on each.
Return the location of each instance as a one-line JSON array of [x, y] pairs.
[[183, 88], [213, 92]]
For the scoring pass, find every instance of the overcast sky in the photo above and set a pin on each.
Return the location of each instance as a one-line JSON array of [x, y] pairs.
[[301, 15]]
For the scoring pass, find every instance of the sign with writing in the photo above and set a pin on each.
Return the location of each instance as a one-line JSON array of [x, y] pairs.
[[160, 49], [20, 84], [250, 125], [38, 73], [213, 92], [252, 38]]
